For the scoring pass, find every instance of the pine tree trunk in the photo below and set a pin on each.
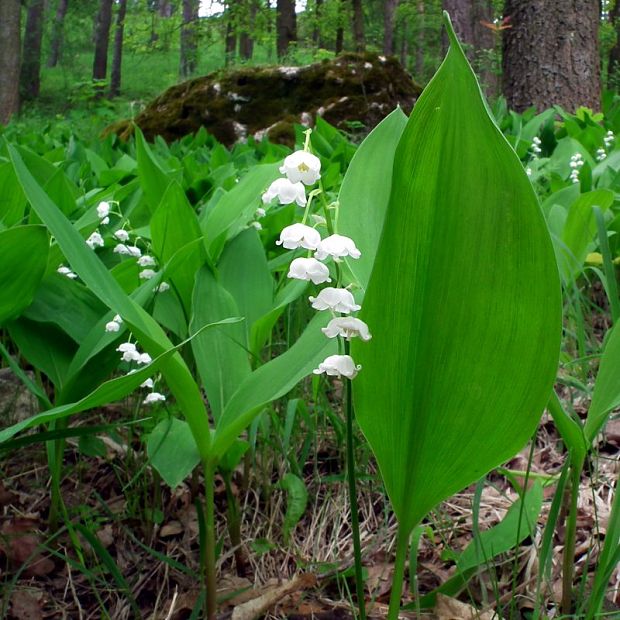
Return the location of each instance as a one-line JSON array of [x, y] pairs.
[[550, 56], [317, 39], [117, 58], [30, 78], [460, 12], [10, 14], [358, 26], [189, 44], [420, 43], [389, 9], [613, 68], [486, 46], [246, 41], [57, 36], [286, 26], [102, 38]]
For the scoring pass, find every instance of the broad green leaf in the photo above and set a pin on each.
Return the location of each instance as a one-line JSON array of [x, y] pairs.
[[606, 395], [579, 231], [365, 192], [12, 199], [272, 380], [236, 208], [463, 303], [172, 451], [296, 502], [99, 280], [24, 251], [154, 179], [173, 226], [221, 355], [245, 274]]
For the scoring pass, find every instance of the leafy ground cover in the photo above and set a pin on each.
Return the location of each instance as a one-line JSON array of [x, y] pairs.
[[170, 250]]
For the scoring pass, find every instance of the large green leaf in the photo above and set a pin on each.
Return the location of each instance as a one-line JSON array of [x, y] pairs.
[[365, 192], [24, 252], [606, 395], [463, 303]]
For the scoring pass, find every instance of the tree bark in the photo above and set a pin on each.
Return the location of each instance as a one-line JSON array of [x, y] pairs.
[[230, 41], [461, 16], [30, 78], [246, 41], [189, 43], [389, 9], [420, 43], [404, 44], [286, 26], [317, 39], [486, 46], [550, 56], [102, 38], [358, 26], [613, 68], [117, 58], [10, 14], [57, 36], [339, 45]]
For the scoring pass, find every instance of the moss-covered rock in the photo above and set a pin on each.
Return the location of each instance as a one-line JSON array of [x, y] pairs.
[[258, 101]]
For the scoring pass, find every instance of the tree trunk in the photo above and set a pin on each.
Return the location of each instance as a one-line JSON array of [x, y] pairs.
[[420, 43], [189, 44], [286, 26], [230, 42], [115, 81], [102, 37], [339, 46], [613, 68], [404, 44], [30, 78], [246, 41], [486, 46], [165, 8], [317, 39], [57, 36], [389, 8], [461, 16], [550, 56], [358, 26], [10, 14]]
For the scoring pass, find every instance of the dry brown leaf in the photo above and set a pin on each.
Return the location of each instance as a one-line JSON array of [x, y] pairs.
[[448, 608], [258, 606], [235, 590], [379, 580], [26, 605], [106, 536], [172, 528], [19, 541]]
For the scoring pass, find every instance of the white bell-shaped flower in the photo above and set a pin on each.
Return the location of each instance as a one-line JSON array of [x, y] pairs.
[[302, 166], [129, 351], [103, 209], [146, 274], [153, 397], [134, 251], [338, 365], [95, 240], [112, 326], [337, 246], [146, 261], [348, 327], [121, 234], [335, 299], [149, 383], [121, 248], [299, 236], [144, 358], [309, 269], [65, 271], [286, 192]]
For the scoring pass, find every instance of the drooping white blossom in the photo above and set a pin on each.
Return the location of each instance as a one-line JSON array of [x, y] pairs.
[[338, 365], [337, 246], [129, 351], [348, 327], [146, 261], [600, 154], [134, 251], [302, 166], [286, 192], [121, 234], [299, 236], [112, 326], [309, 269], [153, 397], [65, 271], [149, 383], [335, 299], [121, 248], [260, 212], [162, 287], [146, 274], [257, 225], [103, 209], [144, 358], [95, 240]]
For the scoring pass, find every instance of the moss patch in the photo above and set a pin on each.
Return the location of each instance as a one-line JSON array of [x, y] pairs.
[[261, 101]]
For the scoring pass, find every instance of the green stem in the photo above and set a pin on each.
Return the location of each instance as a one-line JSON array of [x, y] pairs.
[[402, 547], [608, 265], [208, 560], [569, 538], [355, 525]]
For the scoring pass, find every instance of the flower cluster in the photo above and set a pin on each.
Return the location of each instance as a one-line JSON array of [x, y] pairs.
[[130, 354], [65, 271], [609, 139], [576, 163], [114, 325], [601, 154], [303, 168], [536, 150]]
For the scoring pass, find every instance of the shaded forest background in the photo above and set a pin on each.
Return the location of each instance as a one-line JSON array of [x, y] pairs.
[[60, 55]]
